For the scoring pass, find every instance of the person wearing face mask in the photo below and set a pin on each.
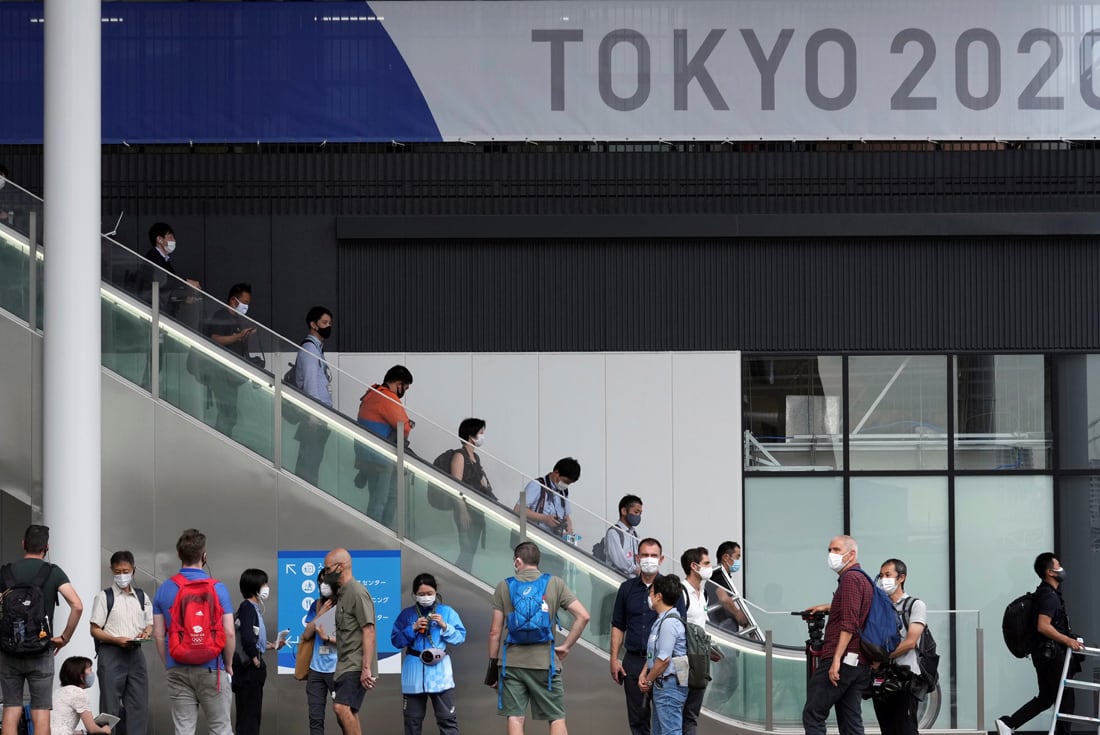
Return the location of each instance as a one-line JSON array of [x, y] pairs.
[[729, 612], [173, 293], [249, 667], [322, 663], [380, 411], [667, 640], [697, 573], [632, 620], [547, 498], [312, 377], [465, 466], [897, 715], [620, 543], [842, 672], [226, 327], [1048, 655], [70, 702], [122, 615], [356, 641], [427, 629]]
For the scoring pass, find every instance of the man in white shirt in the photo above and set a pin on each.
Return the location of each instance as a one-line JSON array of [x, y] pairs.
[[697, 571], [621, 541], [121, 615]]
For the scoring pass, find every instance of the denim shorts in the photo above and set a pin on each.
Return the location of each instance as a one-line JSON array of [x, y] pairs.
[[36, 671]]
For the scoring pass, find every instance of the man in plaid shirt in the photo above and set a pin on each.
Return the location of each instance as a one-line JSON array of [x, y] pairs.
[[842, 673]]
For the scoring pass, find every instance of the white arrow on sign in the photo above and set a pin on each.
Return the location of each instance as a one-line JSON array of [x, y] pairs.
[[290, 569]]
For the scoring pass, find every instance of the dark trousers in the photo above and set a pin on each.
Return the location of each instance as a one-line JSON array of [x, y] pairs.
[[897, 715], [637, 703], [415, 706], [319, 689], [124, 687], [845, 697], [1047, 674], [312, 435], [225, 390], [469, 538], [693, 705], [381, 479], [248, 688]]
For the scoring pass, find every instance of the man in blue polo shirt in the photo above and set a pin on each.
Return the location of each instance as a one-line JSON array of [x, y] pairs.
[[631, 621], [205, 685]]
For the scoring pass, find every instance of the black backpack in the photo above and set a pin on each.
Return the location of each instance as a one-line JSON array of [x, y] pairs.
[[599, 550], [927, 658], [24, 624], [1018, 625], [439, 498]]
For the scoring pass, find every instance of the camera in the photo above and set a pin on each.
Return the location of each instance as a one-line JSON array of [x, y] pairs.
[[890, 680], [432, 656], [815, 627]]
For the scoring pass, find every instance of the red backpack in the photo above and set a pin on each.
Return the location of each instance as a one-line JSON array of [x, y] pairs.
[[196, 634]]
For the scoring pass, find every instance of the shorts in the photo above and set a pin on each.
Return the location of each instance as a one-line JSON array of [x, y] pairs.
[[36, 671], [521, 686], [349, 691]]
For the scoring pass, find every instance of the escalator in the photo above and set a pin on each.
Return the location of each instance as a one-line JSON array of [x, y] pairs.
[[172, 458]]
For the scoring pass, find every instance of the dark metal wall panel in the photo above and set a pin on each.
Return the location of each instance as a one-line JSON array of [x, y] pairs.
[[771, 295]]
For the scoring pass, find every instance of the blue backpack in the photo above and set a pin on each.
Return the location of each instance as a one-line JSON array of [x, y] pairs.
[[880, 634], [529, 623]]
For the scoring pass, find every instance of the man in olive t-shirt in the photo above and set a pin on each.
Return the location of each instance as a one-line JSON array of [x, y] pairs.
[[356, 643], [527, 677]]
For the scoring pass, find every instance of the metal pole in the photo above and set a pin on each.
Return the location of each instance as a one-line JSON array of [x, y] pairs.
[[277, 426], [32, 285], [36, 371], [71, 388], [402, 490], [522, 516], [769, 690], [979, 643], [154, 342]]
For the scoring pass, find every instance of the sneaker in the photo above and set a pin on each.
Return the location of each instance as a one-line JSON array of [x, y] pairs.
[[1002, 728]]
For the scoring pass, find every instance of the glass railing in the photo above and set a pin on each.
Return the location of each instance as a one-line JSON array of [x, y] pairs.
[[20, 222], [234, 386]]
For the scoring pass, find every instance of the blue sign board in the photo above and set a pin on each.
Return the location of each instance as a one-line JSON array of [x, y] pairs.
[[378, 571]]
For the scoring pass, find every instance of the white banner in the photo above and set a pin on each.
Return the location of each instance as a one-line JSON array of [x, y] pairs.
[[753, 70]]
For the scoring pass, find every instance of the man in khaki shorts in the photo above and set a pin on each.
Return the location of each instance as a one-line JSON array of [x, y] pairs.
[[530, 671]]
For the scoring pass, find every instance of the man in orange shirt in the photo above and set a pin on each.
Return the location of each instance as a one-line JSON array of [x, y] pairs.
[[380, 411]]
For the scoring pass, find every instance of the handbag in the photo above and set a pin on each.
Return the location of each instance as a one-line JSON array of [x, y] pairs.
[[302, 658]]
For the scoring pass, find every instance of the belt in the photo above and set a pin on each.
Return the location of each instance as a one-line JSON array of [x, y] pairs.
[[636, 653]]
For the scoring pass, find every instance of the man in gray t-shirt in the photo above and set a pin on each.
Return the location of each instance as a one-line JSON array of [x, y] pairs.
[[897, 715]]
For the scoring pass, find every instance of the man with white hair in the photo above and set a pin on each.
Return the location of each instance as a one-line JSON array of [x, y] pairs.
[[842, 672]]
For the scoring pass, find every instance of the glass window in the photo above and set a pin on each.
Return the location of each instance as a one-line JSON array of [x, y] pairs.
[[897, 412], [790, 521], [1078, 411], [1001, 524], [1002, 415], [793, 413]]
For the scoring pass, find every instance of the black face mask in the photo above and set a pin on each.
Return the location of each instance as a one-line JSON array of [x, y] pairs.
[[325, 332]]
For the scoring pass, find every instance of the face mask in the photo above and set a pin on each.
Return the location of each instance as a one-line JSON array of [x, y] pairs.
[[705, 572], [400, 392], [2, 182], [242, 308], [649, 565], [633, 519], [89, 680], [169, 246], [1060, 574], [122, 581], [326, 589], [425, 600], [836, 562], [563, 487], [888, 584], [479, 440], [649, 601], [265, 592], [325, 332], [735, 567]]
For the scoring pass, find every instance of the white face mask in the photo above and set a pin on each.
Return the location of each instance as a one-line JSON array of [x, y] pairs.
[[888, 584], [265, 592], [242, 308], [563, 487], [326, 589], [425, 600], [836, 562], [122, 581], [649, 565], [89, 680], [169, 246], [705, 572], [479, 440], [649, 601]]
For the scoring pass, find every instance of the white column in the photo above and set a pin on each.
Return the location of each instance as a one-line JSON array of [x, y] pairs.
[[71, 359]]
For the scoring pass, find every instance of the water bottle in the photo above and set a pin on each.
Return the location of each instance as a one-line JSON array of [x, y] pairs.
[[573, 538]]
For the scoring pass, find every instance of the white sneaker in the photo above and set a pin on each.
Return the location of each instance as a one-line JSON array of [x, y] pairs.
[[1002, 728]]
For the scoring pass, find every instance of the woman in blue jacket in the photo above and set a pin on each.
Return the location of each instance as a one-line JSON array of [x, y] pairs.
[[426, 630]]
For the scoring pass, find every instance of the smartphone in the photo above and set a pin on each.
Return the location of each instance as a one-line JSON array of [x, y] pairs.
[[621, 677]]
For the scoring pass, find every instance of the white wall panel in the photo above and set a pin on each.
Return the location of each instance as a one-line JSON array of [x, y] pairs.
[[438, 400], [572, 423], [706, 449], [506, 394], [362, 370], [639, 439]]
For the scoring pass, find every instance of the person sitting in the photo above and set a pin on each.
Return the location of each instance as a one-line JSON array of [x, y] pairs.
[[70, 702]]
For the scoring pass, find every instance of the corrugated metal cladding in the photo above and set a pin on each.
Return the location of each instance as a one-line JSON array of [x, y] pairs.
[[774, 295]]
